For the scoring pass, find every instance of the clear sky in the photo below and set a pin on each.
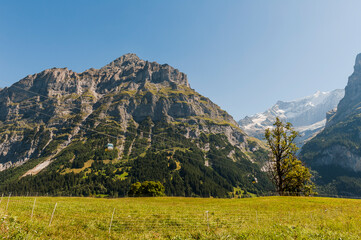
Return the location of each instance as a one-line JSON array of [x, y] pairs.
[[243, 55]]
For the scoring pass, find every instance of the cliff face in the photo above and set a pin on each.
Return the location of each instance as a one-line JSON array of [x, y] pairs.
[[350, 105], [44, 115], [338, 146]]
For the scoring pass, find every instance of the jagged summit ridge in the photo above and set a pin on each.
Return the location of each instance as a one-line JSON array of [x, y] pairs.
[[127, 72], [126, 59], [308, 114], [145, 70]]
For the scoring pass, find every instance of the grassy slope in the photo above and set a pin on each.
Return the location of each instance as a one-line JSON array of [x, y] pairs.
[[182, 218]]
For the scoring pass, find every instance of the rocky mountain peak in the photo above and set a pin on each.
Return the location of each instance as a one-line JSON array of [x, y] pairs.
[[127, 72], [141, 71], [357, 66], [335, 151], [349, 105], [126, 59], [143, 108]]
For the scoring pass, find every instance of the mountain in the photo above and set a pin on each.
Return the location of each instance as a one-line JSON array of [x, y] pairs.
[[307, 115], [335, 153], [99, 131]]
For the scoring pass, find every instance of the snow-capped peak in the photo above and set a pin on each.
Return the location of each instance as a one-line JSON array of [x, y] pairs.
[[307, 114]]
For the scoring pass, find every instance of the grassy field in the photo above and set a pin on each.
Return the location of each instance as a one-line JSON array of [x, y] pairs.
[[180, 218]]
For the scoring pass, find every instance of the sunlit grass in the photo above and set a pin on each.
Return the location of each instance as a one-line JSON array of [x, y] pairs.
[[181, 218]]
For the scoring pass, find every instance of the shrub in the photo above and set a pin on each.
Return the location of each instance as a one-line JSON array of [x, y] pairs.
[[147, 189]]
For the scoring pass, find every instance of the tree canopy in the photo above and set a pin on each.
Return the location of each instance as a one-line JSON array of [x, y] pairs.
[[147, 189], [288, 173]]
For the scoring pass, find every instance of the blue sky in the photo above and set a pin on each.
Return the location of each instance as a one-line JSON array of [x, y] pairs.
[[243, 55]]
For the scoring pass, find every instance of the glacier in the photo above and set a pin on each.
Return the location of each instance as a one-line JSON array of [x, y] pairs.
[[307, 115]]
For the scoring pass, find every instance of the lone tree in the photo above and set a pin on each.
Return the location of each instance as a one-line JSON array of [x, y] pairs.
[[287, 172]]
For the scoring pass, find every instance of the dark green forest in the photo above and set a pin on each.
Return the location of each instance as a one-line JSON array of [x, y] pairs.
[[169, 157]]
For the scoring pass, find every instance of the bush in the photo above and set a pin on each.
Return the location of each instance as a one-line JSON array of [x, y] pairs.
[[147, 189]]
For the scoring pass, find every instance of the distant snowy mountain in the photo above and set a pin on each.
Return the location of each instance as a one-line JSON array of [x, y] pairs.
[[307, 115]]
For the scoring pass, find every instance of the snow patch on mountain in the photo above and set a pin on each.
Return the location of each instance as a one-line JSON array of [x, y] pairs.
[[307, 115]]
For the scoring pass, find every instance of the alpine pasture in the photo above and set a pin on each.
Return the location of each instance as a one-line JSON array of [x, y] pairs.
[[179, 218]]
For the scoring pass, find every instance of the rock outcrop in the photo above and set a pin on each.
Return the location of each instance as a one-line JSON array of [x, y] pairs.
[[350, 104]]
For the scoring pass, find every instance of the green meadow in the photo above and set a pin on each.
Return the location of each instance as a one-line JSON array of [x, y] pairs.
[[180, 218]]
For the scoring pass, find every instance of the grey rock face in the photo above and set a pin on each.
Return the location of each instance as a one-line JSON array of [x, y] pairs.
[[339, 143], [350, 104], [339, 155], [38, 109]]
